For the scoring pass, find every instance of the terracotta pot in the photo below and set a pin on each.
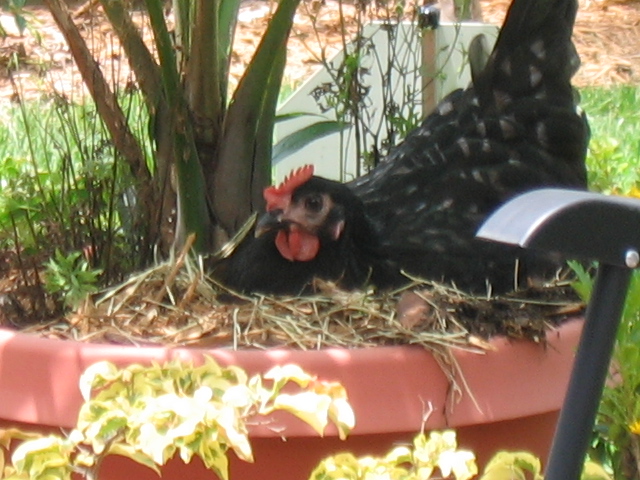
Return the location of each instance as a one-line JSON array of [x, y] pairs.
[[518, 389]]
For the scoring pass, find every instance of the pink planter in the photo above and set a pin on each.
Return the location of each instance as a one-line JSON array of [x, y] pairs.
[[518, 390]]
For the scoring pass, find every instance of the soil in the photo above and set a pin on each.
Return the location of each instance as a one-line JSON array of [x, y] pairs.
[[607, 36]]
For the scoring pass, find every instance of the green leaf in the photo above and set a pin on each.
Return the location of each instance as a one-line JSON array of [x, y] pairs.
[[96, 374], [227, 18], [284, 117], [593, 471], [503, 472], [7, 435], [44, 455], [285, 373], [344, 466], [21, 23], [341, 413], [308, 406], [215, 458], [460, 463], [583, 285], [398, 456], [527, 461], [244, 167], [238, 396], [303, 137], [236, 433], [154, 443], [135, 455], [106, 427], [512, 466]]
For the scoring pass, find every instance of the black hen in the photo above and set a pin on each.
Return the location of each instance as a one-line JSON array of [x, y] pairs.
[[516, 128]]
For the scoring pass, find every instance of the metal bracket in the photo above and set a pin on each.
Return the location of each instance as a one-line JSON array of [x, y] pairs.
[[579, 225]]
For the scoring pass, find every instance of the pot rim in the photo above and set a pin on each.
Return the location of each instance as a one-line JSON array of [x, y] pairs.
[[391, 388]]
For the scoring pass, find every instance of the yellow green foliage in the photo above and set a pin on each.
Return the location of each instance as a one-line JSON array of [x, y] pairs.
[[151, 413], [436, 456]]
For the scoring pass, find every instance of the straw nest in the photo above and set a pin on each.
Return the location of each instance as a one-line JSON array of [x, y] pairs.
[[176, 304]]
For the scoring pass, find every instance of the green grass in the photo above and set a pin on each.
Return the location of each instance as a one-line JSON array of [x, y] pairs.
[[614, 150], [62, 182]]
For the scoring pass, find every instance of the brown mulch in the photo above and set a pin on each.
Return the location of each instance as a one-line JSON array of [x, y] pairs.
[[607, 36]]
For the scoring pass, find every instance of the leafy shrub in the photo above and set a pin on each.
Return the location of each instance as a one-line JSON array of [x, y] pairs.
[[71, 277], [64, 187], [437, 457], [151, 413], [437, 452]]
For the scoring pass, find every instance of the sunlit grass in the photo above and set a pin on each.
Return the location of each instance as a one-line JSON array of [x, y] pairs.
[[614, 151], [62, 182]]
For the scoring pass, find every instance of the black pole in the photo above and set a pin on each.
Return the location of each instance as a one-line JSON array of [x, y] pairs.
[[577, 417]]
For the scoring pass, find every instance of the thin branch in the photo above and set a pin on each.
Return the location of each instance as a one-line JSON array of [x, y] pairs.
[[140, 58], [99, 89]]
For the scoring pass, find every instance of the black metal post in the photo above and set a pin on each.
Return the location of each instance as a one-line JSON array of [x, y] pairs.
[[589, 373]]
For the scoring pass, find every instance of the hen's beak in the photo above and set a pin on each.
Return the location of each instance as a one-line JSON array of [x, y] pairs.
[[271, 220]]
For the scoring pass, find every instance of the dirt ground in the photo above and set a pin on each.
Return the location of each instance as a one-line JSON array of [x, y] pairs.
[[607, 35]]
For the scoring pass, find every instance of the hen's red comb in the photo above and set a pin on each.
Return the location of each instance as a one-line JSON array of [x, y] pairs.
[[276, 196], [295, 179]]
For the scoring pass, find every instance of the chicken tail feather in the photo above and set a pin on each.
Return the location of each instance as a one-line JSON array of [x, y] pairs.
[[533, 53]]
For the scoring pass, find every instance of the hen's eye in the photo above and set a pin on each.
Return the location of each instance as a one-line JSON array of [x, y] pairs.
[[313, 203]]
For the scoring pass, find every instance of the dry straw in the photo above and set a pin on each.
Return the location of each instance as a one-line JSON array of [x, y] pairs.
[[176, 304]]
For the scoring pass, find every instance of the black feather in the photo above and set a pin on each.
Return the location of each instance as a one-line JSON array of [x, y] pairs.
[[515, 128]]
